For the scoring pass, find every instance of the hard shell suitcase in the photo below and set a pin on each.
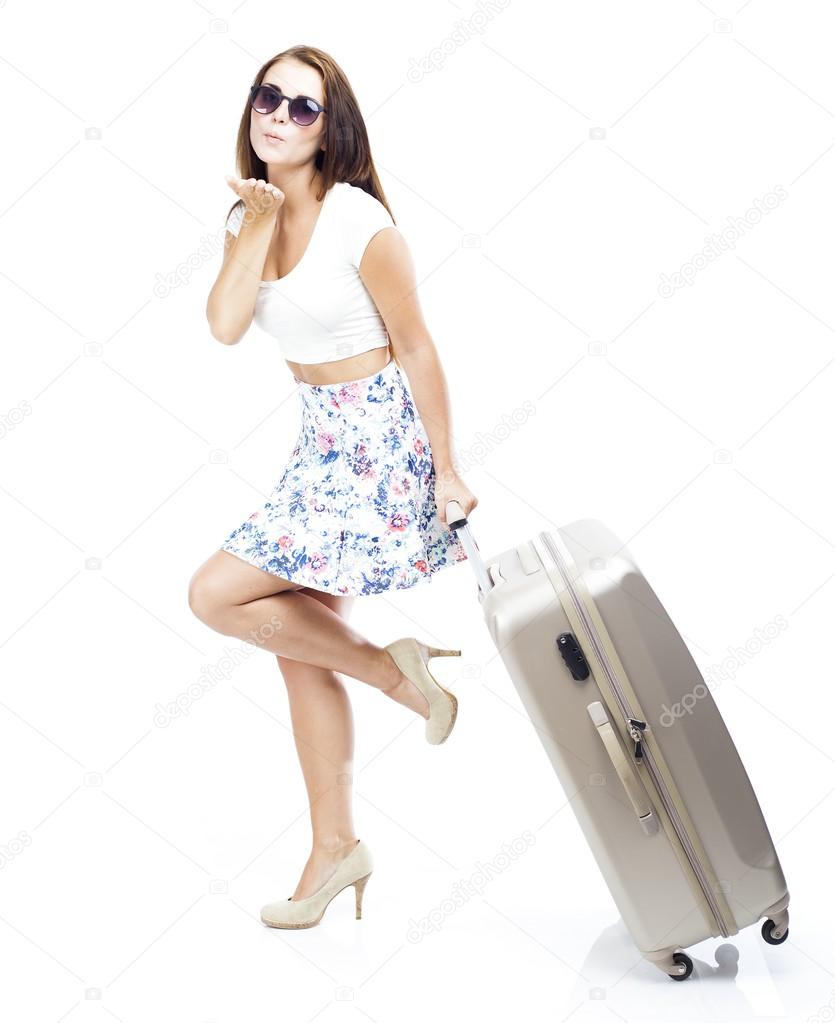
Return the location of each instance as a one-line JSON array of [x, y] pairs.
[[622, 710]]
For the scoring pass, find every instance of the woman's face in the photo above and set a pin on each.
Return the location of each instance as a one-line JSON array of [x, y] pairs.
[[300, 142]]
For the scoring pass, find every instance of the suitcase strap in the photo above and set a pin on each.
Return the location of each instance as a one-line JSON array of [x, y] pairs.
[[626, 772]]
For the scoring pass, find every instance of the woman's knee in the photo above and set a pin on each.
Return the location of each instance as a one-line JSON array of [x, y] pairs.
[[299, 676], [207, 596]]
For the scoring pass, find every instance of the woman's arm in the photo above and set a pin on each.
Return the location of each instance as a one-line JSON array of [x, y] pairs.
[[231, 301], [388, 272]]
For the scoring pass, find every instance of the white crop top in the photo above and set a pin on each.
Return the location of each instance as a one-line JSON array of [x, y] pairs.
[[321, 311]]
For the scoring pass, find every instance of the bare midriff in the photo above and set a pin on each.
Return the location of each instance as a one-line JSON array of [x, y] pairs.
[[340, 371]]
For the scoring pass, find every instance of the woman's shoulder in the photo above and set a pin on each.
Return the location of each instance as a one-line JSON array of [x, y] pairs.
[[362, 215], [356, 199]]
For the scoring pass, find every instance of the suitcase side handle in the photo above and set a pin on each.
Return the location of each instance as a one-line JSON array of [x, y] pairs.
[[457, 520], [626, 772]]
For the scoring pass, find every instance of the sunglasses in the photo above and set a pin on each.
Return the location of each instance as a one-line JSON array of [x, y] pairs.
[[264, 99]]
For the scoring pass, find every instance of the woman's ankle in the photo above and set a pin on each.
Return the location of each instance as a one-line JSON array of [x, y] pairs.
[[407, 693], [330, 844]]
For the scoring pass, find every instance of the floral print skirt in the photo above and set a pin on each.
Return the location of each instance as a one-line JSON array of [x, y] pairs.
[[353, 512]]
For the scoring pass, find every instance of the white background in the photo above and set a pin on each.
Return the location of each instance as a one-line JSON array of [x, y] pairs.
[[548, 164]]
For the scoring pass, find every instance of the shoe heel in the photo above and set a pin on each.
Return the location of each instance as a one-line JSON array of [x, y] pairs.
[[435, 651], [359, 889]]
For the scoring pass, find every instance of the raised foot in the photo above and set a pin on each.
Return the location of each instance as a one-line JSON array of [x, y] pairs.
[[436, 704]]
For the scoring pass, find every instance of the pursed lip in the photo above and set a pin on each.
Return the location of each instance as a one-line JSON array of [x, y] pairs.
[[272, 135]]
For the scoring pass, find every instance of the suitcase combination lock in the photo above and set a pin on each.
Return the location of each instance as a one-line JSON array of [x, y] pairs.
[[571, 653]]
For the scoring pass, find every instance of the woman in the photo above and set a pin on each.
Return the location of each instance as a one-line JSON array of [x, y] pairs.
[[312, 254]]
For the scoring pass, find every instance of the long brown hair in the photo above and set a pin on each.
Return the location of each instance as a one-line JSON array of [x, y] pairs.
[[347, 153]]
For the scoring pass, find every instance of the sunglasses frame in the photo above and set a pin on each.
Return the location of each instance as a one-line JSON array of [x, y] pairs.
[[281, 98]]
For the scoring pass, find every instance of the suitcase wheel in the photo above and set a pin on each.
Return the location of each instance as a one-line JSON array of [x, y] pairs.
[[686, 962], [768, 933]]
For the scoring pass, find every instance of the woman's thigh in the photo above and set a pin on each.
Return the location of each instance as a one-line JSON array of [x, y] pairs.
[[338, 603], [224, 580]]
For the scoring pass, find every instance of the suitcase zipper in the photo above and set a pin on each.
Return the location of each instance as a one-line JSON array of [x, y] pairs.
[[635, 729]]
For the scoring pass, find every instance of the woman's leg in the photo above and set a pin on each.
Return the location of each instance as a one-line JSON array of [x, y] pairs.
[[323, 727], [237, 599]]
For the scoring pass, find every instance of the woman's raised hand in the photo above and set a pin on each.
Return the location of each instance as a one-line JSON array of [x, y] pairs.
[[260, 197]]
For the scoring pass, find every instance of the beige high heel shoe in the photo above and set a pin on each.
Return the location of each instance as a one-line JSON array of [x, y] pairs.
[[354, 870], [412, 657]]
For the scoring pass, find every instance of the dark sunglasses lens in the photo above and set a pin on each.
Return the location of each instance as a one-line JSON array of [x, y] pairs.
[[265, 100], [302, 112]]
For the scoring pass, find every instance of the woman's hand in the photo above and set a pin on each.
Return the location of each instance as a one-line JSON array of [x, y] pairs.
[[450, 487], [261, 198]]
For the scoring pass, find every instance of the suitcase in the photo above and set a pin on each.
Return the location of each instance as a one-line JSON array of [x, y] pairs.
[[631, 727]]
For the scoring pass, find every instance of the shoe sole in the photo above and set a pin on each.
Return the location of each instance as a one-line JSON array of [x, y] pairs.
[[454, 714], [313, 923]]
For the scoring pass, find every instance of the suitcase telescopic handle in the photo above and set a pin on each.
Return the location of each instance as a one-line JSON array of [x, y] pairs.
[[626, 772], [457, 520]]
